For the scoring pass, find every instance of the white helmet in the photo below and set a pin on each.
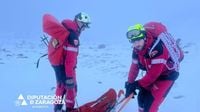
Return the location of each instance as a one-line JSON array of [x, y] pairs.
[[83, 17]]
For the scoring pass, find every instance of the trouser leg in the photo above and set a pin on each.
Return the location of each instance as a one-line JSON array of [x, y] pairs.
[[60, 85], [150, 100]]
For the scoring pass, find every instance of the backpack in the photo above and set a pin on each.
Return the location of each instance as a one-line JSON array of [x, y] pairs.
[[58, 34], [105, 103], [159, 33]]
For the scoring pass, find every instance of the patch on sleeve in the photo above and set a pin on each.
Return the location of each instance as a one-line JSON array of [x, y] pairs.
[[157, 51], [153, 53]]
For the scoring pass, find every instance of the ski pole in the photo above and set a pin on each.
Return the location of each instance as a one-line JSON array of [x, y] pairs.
[[126, 100], [45, 40]]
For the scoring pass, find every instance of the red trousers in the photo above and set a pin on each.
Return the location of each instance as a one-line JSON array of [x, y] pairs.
[[62, 89], [150, 100]]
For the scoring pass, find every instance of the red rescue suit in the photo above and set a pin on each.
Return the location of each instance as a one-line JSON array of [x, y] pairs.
[[63, 56], [158, 80]]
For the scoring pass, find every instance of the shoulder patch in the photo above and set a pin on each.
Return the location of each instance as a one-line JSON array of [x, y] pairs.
[[153, 53], [157, 51]]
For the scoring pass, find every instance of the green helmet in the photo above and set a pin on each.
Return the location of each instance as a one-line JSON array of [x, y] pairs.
[[135, 32]]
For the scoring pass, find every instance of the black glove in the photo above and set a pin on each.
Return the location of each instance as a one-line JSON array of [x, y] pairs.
[[72, 38], [131, 88]]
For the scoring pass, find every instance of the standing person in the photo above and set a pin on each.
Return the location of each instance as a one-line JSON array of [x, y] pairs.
[[62, 53], [155, 52]]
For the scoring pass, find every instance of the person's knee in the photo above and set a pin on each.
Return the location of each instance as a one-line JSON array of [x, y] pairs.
[[149, 99], [145, 100], [60, 73], [140, 99], [60, 89], [155, 105], [70, 84]]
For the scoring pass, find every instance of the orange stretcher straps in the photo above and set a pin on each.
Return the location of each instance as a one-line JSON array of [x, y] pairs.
[[125, 102]]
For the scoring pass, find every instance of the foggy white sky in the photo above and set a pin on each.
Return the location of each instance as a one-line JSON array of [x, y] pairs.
[[110, 18]]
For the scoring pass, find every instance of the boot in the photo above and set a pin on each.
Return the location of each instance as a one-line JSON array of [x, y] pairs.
[[59, 111], [58, 108], [69, 109], [141, 109]]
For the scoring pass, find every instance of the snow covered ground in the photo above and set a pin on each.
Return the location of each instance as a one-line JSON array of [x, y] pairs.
[[101, 66]]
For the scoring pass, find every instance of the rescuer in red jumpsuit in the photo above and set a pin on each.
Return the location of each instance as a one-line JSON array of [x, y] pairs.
[[153, 56], [62, 53]]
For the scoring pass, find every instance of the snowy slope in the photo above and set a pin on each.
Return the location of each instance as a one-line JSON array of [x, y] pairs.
[[101, 66]]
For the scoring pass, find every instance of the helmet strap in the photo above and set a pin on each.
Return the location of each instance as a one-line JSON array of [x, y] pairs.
[[79, 28]]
